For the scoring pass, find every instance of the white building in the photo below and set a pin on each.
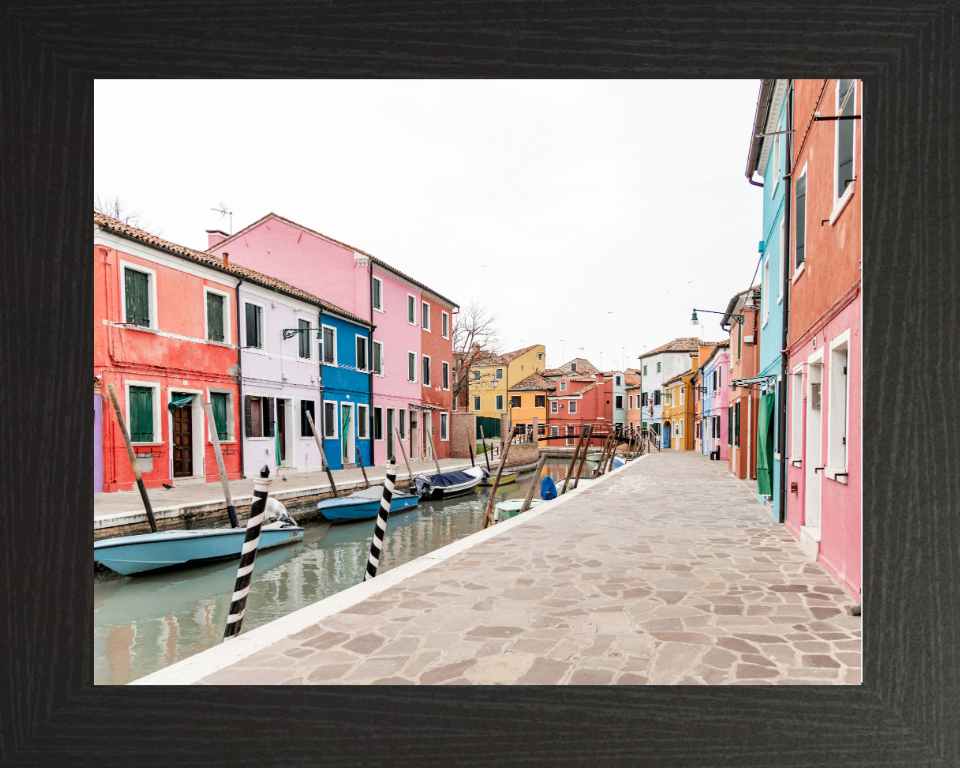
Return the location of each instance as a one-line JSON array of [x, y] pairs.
[[659, 365]]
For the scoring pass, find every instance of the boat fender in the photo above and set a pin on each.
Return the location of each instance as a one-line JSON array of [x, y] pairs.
[[548, 489], [422, 485]]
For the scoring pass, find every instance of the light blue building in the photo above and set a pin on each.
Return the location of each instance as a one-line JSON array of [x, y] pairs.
[[345, 360], [769, 156]]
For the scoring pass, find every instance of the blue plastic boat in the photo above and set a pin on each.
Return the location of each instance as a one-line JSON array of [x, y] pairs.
[[150, 551], [364, 505]]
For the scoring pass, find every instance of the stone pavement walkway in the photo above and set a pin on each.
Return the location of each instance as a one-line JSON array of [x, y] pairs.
[[668, 572]]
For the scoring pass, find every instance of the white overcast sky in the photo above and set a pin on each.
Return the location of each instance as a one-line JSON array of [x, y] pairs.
[[596, 213]]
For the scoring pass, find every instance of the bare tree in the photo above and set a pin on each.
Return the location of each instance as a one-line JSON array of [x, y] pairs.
[[118, 209], [474, 332]]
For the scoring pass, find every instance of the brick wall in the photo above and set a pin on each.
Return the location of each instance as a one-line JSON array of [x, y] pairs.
[[523, 453], [463, 432]]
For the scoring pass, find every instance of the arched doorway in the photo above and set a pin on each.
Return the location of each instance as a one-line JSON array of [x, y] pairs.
[[666, 434]]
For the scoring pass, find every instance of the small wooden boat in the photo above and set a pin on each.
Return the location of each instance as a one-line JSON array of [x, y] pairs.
[[506, 477], [448, 485], [364, 504], [507, 509], [165, 549], [594, 456]]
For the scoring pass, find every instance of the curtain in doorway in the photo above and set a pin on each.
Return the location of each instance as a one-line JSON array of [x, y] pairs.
[[765, 446], [178, 401]]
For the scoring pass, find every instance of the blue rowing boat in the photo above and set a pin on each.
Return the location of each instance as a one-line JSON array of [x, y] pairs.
[[364, 505], [165, 549]]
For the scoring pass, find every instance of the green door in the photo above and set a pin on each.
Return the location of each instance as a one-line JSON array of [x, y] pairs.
[[765, 446]]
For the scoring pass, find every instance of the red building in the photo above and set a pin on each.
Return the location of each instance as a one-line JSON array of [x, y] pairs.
[[165, 330], [744, 402], [436, 349], [577, 401], [823, 480]]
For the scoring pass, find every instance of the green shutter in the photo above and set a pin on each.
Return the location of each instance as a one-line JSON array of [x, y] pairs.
[[214, 317], [729, 425], [219, 402], [141, 415], [304, 325], [253, 335], [137, 298]]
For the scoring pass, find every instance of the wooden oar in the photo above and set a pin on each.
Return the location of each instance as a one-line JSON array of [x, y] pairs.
[[533, 484], [215, 439], [486, 453], [133, 458], [366, 483], [323, 456], [404, 454], [491, 502]]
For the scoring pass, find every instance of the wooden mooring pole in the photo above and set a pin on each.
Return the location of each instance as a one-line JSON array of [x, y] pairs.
[[534, 482], [486, 453], [404, 454], [491, 502], [215, 439], [133, 458], [323, 456], [583, 457], [366, 483], [573, 461], [432, 449]]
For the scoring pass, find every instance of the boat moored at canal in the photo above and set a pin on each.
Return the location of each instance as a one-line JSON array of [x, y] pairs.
[[364, 505], [448, 485]]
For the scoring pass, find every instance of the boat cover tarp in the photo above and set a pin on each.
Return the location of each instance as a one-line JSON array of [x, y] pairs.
[[446, 479], [548, 489]]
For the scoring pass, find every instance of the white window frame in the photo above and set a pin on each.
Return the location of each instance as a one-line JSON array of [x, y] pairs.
[[363, 408], [412, 298], [617, 398], [498, 374], [231, 406], [783, 255], [263, 325], [571, 406], [840, 201], [383, 366], [336, 420], [444, 427], [226, 314], [375, 307], [498, 402], [429, 369], [842, 343], [151, 290], [445, 366], [402, 415], [563, 386], [476, 404], [680, 432], [412, 355], [309, 358], [366, 346], [796, 415], [383, 425], [630, 400], [444, 325], [554, 406], [765, 290], [797, 271], [554, 431], [616, 380], [425, 315], [681, 394], [336, 361], [157, 426]]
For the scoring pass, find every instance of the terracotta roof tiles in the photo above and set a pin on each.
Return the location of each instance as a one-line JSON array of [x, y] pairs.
[[683, 344]]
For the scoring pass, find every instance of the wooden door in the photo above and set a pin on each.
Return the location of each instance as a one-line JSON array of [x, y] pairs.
[[282, 430], [183, 441]]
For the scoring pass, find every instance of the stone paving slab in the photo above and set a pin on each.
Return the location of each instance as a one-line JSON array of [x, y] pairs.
[[668, 572]]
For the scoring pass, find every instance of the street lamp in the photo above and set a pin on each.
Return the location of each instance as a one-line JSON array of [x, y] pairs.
[[695, 321]]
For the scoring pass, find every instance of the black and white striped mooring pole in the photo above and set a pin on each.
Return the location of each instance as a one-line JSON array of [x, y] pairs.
[[376, 544], [248, 555]]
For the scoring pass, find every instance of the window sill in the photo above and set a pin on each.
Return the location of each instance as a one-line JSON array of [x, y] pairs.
[[261, 438], [426, 330], [799, 271], [378, 309], [224, 442], [133, 327], [144, 445], [796, 462], [776, 456], [329, 365], [832, 472], [842, 203]]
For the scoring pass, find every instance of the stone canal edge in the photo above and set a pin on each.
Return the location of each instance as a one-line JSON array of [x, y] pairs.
[[667, 571]]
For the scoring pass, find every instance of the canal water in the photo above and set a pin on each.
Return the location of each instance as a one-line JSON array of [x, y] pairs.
[[147, 622]]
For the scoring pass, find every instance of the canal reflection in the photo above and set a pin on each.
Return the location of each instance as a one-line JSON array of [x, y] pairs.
[[147, 622]]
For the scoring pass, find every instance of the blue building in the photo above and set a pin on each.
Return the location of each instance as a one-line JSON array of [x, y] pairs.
[[769, 156], [345, 360]]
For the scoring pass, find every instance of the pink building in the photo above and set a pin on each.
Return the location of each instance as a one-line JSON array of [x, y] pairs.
[[367, 287]]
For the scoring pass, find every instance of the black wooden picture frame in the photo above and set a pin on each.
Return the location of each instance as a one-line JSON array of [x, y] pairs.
[[906, 712]]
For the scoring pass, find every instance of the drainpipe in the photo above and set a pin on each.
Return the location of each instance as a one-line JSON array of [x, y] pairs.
[[239, 432], [371, 441], [782, 413]]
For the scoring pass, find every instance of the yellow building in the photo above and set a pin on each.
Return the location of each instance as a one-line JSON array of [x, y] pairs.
[[678, 402], [491, 377], [528, 400]]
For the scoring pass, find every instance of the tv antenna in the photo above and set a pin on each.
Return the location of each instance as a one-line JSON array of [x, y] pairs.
[[222, 210]]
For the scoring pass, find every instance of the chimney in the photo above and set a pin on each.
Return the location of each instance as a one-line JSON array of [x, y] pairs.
[[226, 261], [599, 378], [215, 236]]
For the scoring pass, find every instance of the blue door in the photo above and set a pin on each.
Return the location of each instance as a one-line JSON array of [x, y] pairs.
[[666, 434]]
